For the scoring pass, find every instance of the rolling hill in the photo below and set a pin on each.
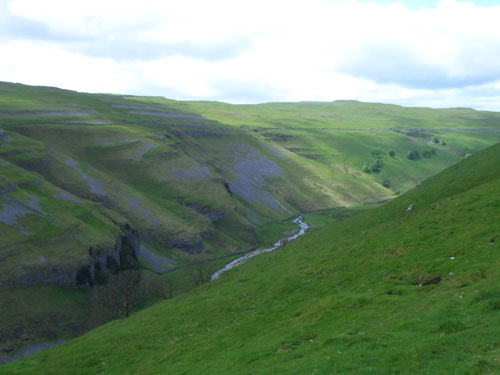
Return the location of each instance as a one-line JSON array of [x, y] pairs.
[[410, 287], [84, 177]]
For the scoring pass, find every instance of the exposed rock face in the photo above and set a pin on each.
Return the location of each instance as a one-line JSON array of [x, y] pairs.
[[29, 350], [104, 263], [214, 215], [251, 172], [16, 208], [416, 133], [159, 263], [190, 246], [99, 265], [40, 274]]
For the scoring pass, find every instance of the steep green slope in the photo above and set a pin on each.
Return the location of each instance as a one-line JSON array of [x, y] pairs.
[[185, 182], [74, 168], [196, 180], [411, 287]]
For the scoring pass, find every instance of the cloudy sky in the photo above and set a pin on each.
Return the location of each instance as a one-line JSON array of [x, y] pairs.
[[414, 52]]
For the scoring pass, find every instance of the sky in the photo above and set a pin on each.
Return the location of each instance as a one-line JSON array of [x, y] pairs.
[[414, 53]]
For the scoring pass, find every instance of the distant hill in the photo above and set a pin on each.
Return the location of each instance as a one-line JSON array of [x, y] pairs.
[[192, 181], [411, 287]]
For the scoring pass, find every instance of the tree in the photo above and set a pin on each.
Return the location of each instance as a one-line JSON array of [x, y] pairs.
[[377, 165], [201, 274], [443, 143], [366, 168], [413, 155], [436, 140], [118, 296], [385, 181], [392, 153], [159, 287]]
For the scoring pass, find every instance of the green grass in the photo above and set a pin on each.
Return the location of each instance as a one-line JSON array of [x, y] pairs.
[[319, 148], [28, 314], [267, 235], [359, 296], [319, 219]]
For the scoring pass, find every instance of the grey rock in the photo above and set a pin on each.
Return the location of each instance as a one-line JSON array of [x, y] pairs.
[[30, 350], [95, 186], [136, 205], [66, 196], [191, 173], [251, 171], [158, 262], [43, 114], [147, 147]]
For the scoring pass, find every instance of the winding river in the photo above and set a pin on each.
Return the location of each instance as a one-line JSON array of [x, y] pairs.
[[241, 260], [31, 349]]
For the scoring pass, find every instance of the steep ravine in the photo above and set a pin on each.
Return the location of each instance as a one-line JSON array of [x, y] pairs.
[[303, 227]]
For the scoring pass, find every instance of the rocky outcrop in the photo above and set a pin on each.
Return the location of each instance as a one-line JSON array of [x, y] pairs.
[[214, 215], [191, 246], [416, 133], [100, 264], [104, 263], [61, 275]]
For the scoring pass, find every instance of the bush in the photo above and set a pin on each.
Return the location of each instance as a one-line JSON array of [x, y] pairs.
[[392, 153], [413, 155], [428, 153], [366, 168], [118, 296], [377, 165], [436, 140], [443, 143]]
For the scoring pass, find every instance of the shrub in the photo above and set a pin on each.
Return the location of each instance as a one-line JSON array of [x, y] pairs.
[[392, 153], [428, 153], [413, 155], [377, 165]]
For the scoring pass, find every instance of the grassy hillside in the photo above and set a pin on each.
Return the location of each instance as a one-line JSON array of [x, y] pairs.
[[391, 290], [197, 180], [348, 132]]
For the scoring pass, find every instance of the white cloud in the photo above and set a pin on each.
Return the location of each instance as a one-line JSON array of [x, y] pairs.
[[257, 51]]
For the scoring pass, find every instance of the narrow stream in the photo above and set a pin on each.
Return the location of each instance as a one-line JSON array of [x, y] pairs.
[[32, 349], [241, 260]]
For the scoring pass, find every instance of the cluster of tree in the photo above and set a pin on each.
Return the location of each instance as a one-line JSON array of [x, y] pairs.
[[415, 155], [428, 153], [385, 181], [437, 141], [376, 165], [121, 292]]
